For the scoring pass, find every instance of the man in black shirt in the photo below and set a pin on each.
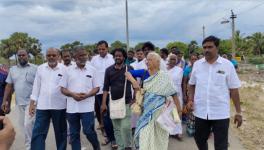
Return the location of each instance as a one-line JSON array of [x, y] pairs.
[[115, 81]]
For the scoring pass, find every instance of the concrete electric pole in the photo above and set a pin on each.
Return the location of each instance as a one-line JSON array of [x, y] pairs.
[[127, 32], [233, 16], [203, 32]]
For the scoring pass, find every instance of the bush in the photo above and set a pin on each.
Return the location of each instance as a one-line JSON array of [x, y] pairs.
[[256, 60]]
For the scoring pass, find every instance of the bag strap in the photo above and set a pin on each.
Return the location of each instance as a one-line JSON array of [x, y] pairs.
[[124, 87], [142, 78], [124, 95]]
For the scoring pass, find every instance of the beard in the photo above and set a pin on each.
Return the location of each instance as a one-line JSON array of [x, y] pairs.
[[22, 62], [52, 63], [118, 61], [81, 62]]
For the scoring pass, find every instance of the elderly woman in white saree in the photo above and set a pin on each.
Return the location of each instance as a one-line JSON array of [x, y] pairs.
[[158, 86]]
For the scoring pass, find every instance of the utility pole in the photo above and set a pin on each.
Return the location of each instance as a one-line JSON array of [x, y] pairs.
[[127, 32], [233, 16], [203, 32]]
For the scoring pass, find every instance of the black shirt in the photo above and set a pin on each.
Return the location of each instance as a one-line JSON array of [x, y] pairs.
[[115, 80]]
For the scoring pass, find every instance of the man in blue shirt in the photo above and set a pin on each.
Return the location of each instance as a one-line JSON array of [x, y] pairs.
[[20, 80], [188, 118], [3, 76], [233, 61]]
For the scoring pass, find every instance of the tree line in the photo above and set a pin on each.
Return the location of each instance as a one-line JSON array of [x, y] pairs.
[[245, 46]]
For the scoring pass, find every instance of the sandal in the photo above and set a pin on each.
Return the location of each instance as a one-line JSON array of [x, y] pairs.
[[178, 137], [105, 142], [114, 145]]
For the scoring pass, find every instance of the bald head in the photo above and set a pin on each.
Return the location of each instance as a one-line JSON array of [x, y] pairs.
[[172, 60], [53, 50], [22, 57], [52, 56]]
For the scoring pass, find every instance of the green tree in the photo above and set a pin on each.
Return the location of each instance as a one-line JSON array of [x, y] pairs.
[[39, 59], [71, 46], [19, 40], [139, 46], [193, 47], [91, 49], [5, 47], [117, 44], [180, 45], [225, 47], [256, 41]]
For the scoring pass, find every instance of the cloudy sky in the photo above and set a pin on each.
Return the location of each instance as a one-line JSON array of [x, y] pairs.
[[56, 22]]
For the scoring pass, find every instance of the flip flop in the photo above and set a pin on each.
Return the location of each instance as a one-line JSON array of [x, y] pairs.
[[105, 142], [114, 145]]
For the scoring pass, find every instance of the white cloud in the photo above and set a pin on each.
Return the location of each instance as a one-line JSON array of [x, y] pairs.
[[59, 22]]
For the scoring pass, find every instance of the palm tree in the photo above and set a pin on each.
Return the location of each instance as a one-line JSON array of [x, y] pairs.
[[257, 43], [192, 47]]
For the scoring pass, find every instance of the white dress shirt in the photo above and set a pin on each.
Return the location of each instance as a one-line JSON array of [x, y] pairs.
[[139, 64], [100, 64], [212, 83], [46, 91], [165, 61], [80, 81], [176, 74], [163, 65]]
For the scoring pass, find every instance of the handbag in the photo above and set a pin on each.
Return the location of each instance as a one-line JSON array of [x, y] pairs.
[[169, 118], [118, 107], [136, 107]]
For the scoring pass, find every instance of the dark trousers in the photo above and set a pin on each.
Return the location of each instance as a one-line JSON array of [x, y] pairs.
[[108, 126], [97, 109], [41, 128], [87, 120], [203, 129]]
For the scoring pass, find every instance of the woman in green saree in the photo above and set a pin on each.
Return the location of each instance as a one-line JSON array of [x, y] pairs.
[[157, 88]]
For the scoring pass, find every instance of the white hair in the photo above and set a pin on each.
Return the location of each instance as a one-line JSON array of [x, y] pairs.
[[156, 57], [171, 54]]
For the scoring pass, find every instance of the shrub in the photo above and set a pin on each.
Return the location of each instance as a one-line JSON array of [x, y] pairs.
[[256, 60]]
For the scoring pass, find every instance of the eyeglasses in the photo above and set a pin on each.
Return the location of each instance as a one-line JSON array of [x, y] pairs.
[[51, 55]]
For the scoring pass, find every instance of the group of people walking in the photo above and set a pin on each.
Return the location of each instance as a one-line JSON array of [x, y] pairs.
[[73, 92]]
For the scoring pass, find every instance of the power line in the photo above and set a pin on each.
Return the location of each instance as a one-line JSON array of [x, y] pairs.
[[256, 6]]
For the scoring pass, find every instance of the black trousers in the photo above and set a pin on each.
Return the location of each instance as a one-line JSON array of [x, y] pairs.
[[204, 127], [97, 109]]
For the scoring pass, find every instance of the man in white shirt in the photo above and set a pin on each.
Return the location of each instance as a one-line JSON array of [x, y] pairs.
[[140, 62], [149, 47], [212, 83], [80, 84], [176, 74], [100, 62], [67, 58], [164, 53], [49, 103]]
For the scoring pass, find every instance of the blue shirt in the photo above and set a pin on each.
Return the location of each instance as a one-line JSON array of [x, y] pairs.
[[234, 62], [22, 78], [3, 75], [139, 73], [187, 71]]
